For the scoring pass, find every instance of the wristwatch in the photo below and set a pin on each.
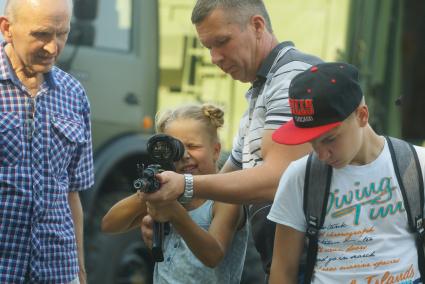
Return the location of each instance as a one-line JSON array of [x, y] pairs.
[[187, 195]]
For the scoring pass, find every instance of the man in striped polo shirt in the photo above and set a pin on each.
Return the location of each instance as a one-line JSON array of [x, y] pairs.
[[45, 148], [240, 38]]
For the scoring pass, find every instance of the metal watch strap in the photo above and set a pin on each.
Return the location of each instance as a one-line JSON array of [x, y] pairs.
[[187, 195]]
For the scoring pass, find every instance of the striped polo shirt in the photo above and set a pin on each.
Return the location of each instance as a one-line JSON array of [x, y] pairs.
[[268, 102]]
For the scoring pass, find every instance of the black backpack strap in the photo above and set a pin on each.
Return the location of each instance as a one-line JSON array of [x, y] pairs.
[[316, 191], [410, 179]]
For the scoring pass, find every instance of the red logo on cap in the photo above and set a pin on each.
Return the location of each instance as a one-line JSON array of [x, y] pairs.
[[302, 107]]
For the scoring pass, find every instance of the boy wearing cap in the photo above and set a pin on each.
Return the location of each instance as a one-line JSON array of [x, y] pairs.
[[365, 237]]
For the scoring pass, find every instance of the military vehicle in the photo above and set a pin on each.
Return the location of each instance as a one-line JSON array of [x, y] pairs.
[[385, 40], [123, 110]]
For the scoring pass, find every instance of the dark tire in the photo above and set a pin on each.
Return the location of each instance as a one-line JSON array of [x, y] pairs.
[[120, 258]]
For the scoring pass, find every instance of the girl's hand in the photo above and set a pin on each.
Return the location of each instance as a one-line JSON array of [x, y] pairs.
[[163, 212], [147, 230]]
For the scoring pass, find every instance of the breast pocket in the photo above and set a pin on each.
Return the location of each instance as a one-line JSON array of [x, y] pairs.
[[10, 139], [67, 134]]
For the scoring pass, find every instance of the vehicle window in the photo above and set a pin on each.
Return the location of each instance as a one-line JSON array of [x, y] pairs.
[[113, 25], [112, 28]]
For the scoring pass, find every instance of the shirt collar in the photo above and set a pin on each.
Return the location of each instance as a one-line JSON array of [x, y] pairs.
[[267, 64], [7, 72], [51, 78]]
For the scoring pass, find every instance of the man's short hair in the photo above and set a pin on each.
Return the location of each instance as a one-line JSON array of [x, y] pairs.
[[11, 6], [240, 11]]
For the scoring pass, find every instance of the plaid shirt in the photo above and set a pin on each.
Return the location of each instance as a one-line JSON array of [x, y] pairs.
[[45, 152]]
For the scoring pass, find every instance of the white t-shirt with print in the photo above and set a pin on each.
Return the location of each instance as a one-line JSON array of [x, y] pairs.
[[365, 237]]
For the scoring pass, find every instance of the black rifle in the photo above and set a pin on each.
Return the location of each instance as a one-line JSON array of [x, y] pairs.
[[164, 150]]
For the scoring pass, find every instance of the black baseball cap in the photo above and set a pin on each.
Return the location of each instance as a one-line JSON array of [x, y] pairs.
[[321, 98]]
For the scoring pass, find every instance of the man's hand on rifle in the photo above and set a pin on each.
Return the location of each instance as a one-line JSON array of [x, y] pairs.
[[172, 187]]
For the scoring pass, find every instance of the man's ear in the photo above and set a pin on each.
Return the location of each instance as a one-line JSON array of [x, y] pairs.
[[259, 25], [5, 28]]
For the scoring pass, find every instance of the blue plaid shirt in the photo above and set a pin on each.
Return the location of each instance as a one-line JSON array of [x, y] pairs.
[[45, 152]]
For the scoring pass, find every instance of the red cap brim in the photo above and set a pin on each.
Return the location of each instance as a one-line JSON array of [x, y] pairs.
[[290, 134]]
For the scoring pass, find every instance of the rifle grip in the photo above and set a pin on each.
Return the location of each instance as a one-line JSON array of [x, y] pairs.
[[158, 239]]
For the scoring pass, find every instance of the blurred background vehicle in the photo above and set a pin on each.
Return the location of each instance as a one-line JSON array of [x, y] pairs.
[[385, 41]]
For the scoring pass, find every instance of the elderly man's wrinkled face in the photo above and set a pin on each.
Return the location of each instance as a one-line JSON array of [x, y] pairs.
[[38, 32]]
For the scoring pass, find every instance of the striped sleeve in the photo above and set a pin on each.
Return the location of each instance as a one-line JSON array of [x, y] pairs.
[[276, 94], [236, 156]]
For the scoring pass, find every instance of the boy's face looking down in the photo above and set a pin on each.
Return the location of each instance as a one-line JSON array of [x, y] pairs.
[[343, 144]]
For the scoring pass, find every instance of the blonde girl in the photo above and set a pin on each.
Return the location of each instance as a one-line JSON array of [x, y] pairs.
[[207, 241]]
